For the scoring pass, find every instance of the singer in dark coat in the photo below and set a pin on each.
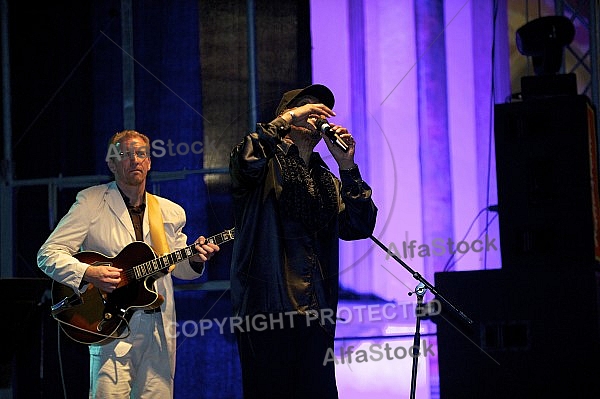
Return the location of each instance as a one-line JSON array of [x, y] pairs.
[[290, 213]]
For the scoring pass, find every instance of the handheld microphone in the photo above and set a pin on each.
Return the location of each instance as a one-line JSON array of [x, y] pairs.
[[327, 130]]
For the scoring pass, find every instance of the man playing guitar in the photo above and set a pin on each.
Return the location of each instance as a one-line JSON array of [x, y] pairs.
[[136, 356]]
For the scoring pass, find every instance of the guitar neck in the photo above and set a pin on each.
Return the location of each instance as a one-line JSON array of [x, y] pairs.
[[219, 239], [165, 262]]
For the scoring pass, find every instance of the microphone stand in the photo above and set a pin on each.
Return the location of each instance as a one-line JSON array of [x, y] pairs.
[[420, 290], [416, 348]]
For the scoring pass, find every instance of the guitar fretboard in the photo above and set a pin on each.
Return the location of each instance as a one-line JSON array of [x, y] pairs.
[[161, 263]]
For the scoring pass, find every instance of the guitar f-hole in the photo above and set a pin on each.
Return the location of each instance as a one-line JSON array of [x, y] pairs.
[[107, 317]]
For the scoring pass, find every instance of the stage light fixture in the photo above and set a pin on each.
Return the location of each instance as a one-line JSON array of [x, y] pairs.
[[543, 39]]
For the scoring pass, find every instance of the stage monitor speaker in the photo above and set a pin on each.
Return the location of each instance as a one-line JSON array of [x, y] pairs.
[[547, 176], [535, 335]]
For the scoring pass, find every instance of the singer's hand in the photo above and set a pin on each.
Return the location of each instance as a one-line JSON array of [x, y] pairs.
[[345, 160], [306, 115]]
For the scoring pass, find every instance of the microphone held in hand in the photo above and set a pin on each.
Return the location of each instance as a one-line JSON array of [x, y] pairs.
[[327, 130]]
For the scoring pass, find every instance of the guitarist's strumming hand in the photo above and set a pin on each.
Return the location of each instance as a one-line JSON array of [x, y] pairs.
[[105, 278], [206, 250]]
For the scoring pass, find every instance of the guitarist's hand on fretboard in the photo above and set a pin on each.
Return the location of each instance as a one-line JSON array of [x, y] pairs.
[[206, 250], [105, 278]]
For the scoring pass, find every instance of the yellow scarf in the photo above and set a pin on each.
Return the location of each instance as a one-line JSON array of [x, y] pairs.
[[157, 227]]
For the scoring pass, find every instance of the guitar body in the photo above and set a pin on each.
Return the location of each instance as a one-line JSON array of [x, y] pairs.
[[98, 317]]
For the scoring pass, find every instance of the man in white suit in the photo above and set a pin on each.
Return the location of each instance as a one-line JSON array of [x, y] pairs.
[[105, 218]]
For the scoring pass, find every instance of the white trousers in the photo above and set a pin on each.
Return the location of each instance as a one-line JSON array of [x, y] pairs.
[[144, 372]]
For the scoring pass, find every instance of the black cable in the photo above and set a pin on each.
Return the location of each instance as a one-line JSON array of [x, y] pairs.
[[491, 208], [491, 123], [60, 363]]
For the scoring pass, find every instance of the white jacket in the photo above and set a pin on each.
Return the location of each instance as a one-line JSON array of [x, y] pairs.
[[99, 221]]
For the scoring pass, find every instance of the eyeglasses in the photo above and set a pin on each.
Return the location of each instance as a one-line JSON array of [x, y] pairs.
[[141, 154]]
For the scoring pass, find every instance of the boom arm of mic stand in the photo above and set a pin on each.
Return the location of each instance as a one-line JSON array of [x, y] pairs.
[[423, 281]]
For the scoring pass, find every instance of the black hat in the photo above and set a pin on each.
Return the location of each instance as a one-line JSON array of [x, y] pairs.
[[319, 91]]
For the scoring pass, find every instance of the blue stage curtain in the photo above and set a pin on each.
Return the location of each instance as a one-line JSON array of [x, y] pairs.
[[167, 98]]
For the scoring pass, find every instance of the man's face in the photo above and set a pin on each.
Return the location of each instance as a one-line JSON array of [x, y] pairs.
[[134, 164]]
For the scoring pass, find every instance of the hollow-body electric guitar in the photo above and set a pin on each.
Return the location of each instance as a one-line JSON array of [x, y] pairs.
[[98, 317]]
